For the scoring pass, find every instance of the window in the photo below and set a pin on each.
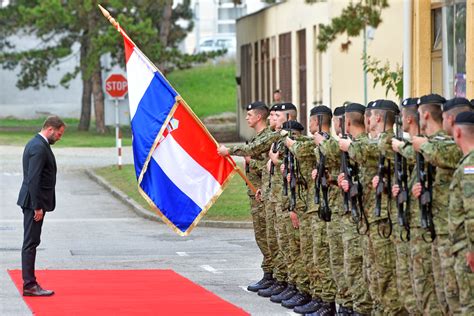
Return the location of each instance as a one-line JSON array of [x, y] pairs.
[[226, 28]]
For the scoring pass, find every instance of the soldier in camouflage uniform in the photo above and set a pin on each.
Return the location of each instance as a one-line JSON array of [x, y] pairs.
[[257, 113], [440, 150], [378, 249], [297, 226], [461, 212], [329, 148], [419, 251], [355, 264], [285, 287]]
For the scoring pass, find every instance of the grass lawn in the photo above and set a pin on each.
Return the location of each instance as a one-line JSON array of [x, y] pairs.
[[232, 205]]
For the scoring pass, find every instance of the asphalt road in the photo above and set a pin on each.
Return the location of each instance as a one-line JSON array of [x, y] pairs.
[[90, 229]]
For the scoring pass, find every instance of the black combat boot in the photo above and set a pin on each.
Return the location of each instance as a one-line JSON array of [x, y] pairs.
[[327, 309], [264, 283], [344, 311], [275, 289], [287, 293], [297, 300], [309, 307]]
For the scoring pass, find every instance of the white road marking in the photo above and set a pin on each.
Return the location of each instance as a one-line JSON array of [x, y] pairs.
[[182, 254], [292, 313], [75, 220], [210, 269], [244, 288]]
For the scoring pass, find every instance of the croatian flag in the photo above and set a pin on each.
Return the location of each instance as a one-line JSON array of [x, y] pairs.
[[177, 166]]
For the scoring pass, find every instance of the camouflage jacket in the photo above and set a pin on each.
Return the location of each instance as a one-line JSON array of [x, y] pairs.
[[303, 150], [441, 151], [406, 150], [461, 205], [365, 153]]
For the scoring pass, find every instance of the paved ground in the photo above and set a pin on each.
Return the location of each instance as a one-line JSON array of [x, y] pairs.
[[90, 229]]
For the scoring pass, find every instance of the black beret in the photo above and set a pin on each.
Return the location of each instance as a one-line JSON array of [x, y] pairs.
[[370, 105], [293, 125], [320, 109], [472, 102], [431, 99], [456, 102], [340, 110], [465, 118], [275, 107], [410, 102], [355, 107], [257, 105], [386, 105], [286, 106]]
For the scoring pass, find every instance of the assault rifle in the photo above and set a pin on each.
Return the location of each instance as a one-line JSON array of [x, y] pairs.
[[321, 181], [275, 147], [424, 200], [381, 174], [401, 176], [247, 166]]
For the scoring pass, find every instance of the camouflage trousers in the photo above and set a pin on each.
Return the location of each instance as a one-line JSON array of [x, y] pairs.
[[297, 274], [259, 227], [465, 281], [306, 249], [445, 277], [422, 274], [383, 271], [282, 218], [353, 267], [279, 265], [324, 287], [336, 255], [403, 269]]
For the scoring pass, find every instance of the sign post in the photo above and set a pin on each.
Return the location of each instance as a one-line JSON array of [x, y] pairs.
[[116, 86]]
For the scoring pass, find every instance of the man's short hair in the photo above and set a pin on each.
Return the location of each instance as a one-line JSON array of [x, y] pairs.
[[435, 111], [262, 111], [356, 118], [277, 91], [54, 122], [382, 113], [455, 111], [292, 114]]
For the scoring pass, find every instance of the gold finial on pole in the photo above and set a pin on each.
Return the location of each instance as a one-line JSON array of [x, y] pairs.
[[109, 17]]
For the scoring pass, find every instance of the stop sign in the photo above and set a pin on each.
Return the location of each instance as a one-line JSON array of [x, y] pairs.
[[116, 86]]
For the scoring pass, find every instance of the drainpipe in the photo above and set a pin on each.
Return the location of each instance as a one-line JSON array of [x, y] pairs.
[[407, 47]]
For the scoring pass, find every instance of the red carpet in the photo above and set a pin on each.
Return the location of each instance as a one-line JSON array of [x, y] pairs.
[[122, 292]]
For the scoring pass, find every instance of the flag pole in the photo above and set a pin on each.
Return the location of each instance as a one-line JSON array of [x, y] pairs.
[[241, 174], [114, 22]]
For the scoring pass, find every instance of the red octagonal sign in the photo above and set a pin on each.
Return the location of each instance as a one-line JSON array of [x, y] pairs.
[[116, 86]]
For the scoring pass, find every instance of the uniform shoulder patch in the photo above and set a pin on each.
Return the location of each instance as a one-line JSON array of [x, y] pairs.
[[469, 170]]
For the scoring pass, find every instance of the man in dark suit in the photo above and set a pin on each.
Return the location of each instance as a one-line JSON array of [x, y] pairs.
[[37, 196]]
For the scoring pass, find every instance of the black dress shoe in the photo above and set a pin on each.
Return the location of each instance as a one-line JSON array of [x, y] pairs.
[[287, 293], [275, 289], [264, 283], [37, 290], [309, 307], [297, 300], [327, 309]]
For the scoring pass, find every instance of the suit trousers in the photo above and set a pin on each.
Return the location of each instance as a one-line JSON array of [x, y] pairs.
[[31, 240]]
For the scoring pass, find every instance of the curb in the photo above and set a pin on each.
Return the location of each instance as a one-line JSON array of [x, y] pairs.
[[142, 212]]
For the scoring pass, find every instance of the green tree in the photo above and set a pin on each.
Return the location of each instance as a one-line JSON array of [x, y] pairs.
[[60, 25], [392, 80]]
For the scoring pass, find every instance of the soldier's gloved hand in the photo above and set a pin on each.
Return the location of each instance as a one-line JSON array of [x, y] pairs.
[[340, 177], [470, 260], [375, 182], [396, 144], [222, 151], [417, 141], [282, 168], [395, 190], [314, 174], [294, 220], [345, 185], [416, 190]]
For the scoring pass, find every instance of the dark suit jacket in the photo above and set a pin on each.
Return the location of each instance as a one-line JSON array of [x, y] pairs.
[[39, 176]]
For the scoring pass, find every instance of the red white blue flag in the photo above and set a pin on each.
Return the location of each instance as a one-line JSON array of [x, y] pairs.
[[177, 166]]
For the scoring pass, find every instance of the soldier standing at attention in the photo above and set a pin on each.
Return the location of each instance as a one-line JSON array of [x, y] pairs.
[[257, 114], [461, 212], [356, 264], [419, 254], [439, 150]]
